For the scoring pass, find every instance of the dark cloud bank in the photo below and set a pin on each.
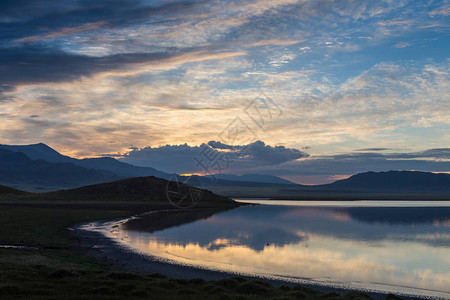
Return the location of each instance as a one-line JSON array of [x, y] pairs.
[[190, 159], [281, 161]]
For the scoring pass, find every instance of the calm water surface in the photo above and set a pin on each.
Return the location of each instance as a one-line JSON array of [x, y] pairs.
[[388, 246]]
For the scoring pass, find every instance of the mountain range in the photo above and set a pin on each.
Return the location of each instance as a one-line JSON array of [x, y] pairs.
[[18, 170], [394, 180], [251, 177], [43, 152], [38, 167]]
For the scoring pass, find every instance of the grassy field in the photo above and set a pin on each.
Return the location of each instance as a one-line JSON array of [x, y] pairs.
[[57, 269]]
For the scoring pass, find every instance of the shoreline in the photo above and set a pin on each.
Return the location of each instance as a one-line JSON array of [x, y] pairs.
[[95, 244]]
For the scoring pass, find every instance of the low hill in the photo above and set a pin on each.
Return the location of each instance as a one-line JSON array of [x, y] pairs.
[[370, 185], [212, 182], [265, 178], [394, 181], [5, 190], [150, 189], [391, 185]]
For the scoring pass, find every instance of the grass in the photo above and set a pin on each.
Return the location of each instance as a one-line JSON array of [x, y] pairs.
[[59, 284], [45, 227], [58, 270]]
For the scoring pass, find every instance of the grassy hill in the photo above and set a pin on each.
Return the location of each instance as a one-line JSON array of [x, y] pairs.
[[5, 190], [148, 189], [394, 181]]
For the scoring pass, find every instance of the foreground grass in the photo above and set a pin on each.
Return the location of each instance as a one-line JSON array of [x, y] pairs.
[[50, 283], [58, 270], [45, 227]]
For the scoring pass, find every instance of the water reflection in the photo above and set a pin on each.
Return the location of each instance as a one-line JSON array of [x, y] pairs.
[[358, 246]]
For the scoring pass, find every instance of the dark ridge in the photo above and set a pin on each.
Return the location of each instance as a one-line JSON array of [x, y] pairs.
[[151, 189], [5, 190], [102, 164], [250, 177], [17, 168], [120, 168], [394, 180], [39, 151]]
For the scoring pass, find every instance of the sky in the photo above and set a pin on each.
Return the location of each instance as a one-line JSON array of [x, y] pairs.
[[307, 90]]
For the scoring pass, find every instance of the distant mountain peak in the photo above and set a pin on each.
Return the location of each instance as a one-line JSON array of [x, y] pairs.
[[35, 145], [39, 151], [38, 165]]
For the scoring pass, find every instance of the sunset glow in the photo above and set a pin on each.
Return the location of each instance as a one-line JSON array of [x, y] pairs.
[[341, 76]]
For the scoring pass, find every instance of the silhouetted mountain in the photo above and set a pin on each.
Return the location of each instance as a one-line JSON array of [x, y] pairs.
[[140, 189], [393, 181], [122, 170], [5, 190], [39, 151], [29, 166], [215, 181], [111, 166], [400, 185], [253, 178], [18, 169]]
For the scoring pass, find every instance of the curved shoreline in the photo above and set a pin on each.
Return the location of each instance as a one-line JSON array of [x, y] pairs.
[[95, 244]]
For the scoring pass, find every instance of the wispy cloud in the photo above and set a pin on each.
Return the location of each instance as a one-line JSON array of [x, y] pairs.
[[275, 42], [441, 11], [64, 32]]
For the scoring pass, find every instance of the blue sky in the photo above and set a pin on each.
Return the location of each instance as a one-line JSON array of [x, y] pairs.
[[94, 78]]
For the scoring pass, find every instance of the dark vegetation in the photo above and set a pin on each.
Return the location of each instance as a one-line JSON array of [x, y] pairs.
[[7, 191], [150, 190], [53, 266], [57, 269]]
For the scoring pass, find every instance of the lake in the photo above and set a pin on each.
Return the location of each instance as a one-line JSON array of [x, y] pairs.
[[390, 246]]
